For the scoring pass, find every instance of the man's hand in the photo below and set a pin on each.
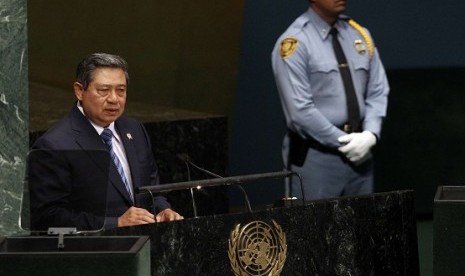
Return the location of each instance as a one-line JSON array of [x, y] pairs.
[[168, 215], [135, 216], [356, 146]]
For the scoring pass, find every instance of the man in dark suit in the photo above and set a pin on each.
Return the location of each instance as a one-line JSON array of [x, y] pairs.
[[66, 168]]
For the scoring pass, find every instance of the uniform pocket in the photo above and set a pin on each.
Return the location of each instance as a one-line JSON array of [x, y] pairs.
[[361, 69], [323, 79]]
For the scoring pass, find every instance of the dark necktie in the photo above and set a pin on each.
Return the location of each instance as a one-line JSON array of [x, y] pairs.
[[107, 136], [351, 97]]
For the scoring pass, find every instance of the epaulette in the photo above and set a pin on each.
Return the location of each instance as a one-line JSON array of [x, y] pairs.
[[290, 43], [364, 34]]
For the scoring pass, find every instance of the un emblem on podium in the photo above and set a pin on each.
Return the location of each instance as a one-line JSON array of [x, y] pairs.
[[257, 249]]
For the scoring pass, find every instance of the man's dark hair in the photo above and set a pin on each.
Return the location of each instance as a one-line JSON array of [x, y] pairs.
[[85, 69]]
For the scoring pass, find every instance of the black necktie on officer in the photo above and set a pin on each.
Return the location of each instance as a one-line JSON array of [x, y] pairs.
[[351, 97]]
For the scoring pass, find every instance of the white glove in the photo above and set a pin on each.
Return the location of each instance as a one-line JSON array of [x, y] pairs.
[[356, 146]]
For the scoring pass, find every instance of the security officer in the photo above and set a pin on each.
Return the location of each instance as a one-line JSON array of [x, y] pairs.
[[333, 90]]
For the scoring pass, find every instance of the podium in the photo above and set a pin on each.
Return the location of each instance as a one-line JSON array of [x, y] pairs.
[[449, 229], [91, 255], [364, 235]]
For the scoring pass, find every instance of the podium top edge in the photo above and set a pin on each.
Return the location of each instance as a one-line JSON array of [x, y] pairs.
[[450, 194]]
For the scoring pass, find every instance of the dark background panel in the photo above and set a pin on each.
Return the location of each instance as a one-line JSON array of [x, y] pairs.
[[214, 57], [421, 45]]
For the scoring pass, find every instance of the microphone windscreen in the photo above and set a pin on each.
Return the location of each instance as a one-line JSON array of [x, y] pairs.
[[183, 157]]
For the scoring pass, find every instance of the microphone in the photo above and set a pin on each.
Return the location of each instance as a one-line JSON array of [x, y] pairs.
[[183, 157], [186, 159]]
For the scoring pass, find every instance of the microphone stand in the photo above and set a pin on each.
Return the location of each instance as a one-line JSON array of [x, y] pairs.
[[246, 198], [194, 205], [232, 180]]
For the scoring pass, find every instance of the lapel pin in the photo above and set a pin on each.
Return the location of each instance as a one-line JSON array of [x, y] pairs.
[[129, 136]]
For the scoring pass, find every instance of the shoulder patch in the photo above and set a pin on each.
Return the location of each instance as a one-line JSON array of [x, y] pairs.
[[288, 46]]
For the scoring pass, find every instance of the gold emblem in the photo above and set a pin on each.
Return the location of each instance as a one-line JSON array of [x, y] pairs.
[[288, 47], [257, 249], [360, 46]]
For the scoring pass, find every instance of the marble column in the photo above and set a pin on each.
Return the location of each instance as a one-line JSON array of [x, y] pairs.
[[14, 111]]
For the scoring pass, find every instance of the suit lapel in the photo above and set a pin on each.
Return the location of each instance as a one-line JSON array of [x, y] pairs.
[[88, 139], [127, 138], [85, 135]]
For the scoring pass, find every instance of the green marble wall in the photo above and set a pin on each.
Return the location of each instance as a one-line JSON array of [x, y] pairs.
[[14, 111]]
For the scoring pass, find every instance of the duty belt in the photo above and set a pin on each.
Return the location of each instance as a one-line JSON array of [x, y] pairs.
[[347, 128], [298, 146]]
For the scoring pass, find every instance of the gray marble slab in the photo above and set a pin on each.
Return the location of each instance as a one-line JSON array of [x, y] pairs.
[[14, 110]]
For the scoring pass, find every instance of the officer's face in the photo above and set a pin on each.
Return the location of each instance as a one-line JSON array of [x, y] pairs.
[[104, 99], [329, 9]]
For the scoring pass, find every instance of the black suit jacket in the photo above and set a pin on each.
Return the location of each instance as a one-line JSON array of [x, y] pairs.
[[74, 183]]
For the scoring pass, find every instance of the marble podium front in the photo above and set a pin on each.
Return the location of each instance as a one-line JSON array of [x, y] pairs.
[[372, 235]]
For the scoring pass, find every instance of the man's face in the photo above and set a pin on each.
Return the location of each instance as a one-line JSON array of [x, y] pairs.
[[329, 8], [104, 99]]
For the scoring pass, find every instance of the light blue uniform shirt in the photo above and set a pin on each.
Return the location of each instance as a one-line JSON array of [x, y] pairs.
[[310, 85]]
